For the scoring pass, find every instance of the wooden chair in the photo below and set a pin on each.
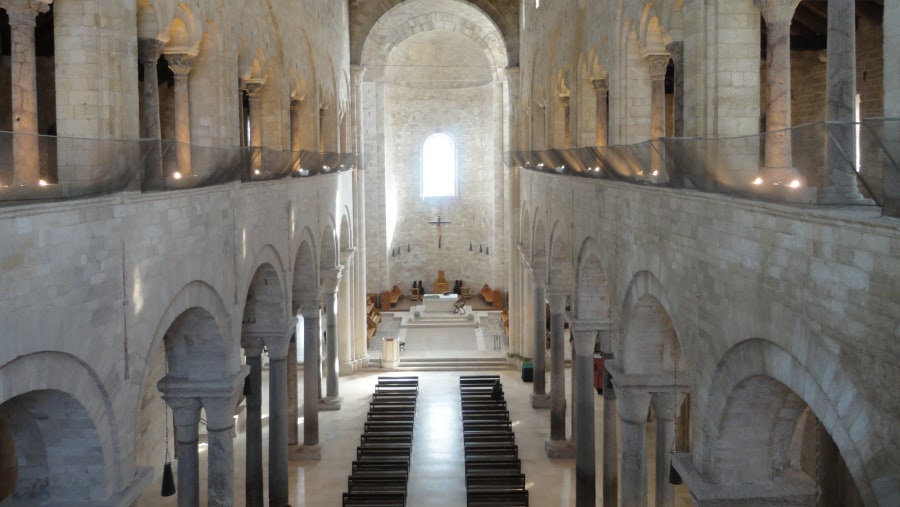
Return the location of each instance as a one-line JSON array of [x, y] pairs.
[[414, 294]]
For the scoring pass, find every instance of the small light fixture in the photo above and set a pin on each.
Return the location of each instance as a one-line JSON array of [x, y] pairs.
[[758, 181], [655, 173], [42, 183], [177, 175], [794, 184], [256, 172]]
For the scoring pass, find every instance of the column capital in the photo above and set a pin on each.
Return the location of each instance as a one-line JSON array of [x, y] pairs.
[[585, 341], [252, 345], [180, 63], [600, 82], [279, 342], [149, 50], [777, 11], [658, 63], [185, 410], [665, 404], [253, 86], [357, 72], [557, 299], [297, 102], [346, 254], [219, 412], [633, 404], [330, 277], [276, 338], [24, 12]]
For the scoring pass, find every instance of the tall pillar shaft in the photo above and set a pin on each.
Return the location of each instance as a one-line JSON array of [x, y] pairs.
[[610, 446], [186, 413], [180, 64], [778, 83], [220, 462], [585, 461], [658, 64], [331, 346], [664, 410], [539, 394], [633, 406], [148, 53], [601, 111], [557, 367], [254, 94], [676, 51], [295, 123], [22, 14], [278, 432], [254, 455], [840, 93], [310, 375], [567, 121], [292, 383]]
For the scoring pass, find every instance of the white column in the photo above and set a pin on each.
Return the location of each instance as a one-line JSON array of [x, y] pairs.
[[557, 299], [254, 88], [633, 406], [601, 112], [658, 64], [277, 345], [186, 414], [330, 279], [148, 54], [539, 398], [665, 412], [180, 64], [254, 454]]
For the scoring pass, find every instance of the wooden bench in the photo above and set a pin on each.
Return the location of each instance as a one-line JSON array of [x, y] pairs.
[[502, 498], [386, 389], [383, 451], [391, 417], [408, 379], [381, 499], [478, 379], [389, 427], [365, 482], [381, 465], [384, 437], [482, 403], [514, 481], [487, 426], [498, 415], [489, 437]]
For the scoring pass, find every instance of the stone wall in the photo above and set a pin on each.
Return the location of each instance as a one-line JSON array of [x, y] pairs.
[[819, 287], [90, 288]]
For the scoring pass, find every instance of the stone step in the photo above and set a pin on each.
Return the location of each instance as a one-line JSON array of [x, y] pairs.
[[450, 364]]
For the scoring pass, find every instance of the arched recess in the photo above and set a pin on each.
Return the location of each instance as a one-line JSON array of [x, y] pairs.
[[328, 248], [34, 405], [649, 342], [305, 284], [264, 307], [346, 233], [560, 273], [211, 99], [525, 228], [756, 397], [539, 250], [592, 296]]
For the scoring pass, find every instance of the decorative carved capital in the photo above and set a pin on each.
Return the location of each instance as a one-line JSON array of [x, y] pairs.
[[676, 51], [180, 63], [149, 50], [24, 12], [658, 64], [253, 87], [600, 84]]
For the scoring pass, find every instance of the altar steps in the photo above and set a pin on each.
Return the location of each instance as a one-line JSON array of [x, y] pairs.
[[450, 364]]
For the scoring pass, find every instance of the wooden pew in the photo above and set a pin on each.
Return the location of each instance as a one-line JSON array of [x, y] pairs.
[[380, 499], [381, 426], [504, 498], [489, 437], [363, 482], [383, 451], [403, 437], [381, 465], [495, 481]]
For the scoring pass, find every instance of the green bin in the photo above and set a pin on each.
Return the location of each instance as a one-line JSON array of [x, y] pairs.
[[527, 371]]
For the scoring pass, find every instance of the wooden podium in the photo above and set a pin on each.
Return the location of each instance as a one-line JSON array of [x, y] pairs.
[[441, 286]]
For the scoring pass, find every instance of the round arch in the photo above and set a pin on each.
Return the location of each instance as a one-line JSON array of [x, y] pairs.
[[592, 295]]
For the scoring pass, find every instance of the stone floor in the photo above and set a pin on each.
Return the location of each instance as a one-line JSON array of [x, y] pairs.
[[436, 479]]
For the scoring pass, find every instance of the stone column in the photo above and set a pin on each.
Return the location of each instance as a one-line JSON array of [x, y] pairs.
[[330, 280], [585, 467], [539, 398], [658, 64], [186, 413], [310, 449], [891, 84], [253, 88], [676, 52], [220, 457], [296, 104], [564, 98], [779, 160], [840, 93], [148, 54], [601, 112], [180, 64], [26, 162], [277, 344], [557, 301], [665, 412], [633, 405], [357, 73], [292, 382], [610, 440], [345, 330], [254, 459]]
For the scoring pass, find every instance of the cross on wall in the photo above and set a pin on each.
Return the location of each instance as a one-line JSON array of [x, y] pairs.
[[438, 223]]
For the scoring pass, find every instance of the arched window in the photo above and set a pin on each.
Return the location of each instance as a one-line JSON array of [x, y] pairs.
[[438, 166]]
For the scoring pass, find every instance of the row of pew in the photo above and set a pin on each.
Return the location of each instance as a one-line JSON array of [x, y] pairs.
[[381, 470], [494, 475]]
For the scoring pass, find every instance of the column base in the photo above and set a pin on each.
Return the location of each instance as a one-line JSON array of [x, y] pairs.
[[540, 400], [841, 195], [560, 449], [330, 404], [348, 368], [305, 453]]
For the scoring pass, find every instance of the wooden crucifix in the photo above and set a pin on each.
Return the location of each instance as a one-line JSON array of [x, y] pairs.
[[438, 223]]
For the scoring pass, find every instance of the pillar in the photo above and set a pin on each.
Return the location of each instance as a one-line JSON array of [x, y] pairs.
[[585, 467], [253, 88], [633, 405], [658, 64], [310, 449], [601, 111], [345, 314], [557, 366], [186, 415], [891, 83], [778, 15], [220, 453], [840, 92], [664, 408], [565, 99], [180, 64], [676, 52], [539, 398], [610, 419], [357, 73], [277, 345], [254, 455], [292, 382], [148, 54], [330, 280], [296, 104], [26, 162]]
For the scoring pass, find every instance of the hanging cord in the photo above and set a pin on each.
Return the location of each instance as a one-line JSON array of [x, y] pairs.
[[818, 487], [674, 476], [168, 481]]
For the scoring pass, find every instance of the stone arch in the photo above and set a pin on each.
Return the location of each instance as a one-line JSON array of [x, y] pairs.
[[345, 240], [194, 348], [328, 248], [264, 306], [649, 342], [275, 107], [560, 273], [83, 391], [592, 294], [539, 257], [184, 35], [303, 90], [652, 36], [305, 283], [525, 226], [761, 371], [211, 99], [149, 25]]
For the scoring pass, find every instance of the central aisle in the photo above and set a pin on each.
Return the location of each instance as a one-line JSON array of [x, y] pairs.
[[437, 474]]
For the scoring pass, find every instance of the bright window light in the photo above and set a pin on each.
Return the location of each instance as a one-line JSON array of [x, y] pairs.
[[438, 166]]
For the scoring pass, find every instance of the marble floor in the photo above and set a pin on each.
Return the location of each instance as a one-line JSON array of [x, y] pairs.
[[436, 478]]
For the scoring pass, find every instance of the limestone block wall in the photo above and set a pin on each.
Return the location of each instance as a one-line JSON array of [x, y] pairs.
[[91, 286], [819, 287]]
